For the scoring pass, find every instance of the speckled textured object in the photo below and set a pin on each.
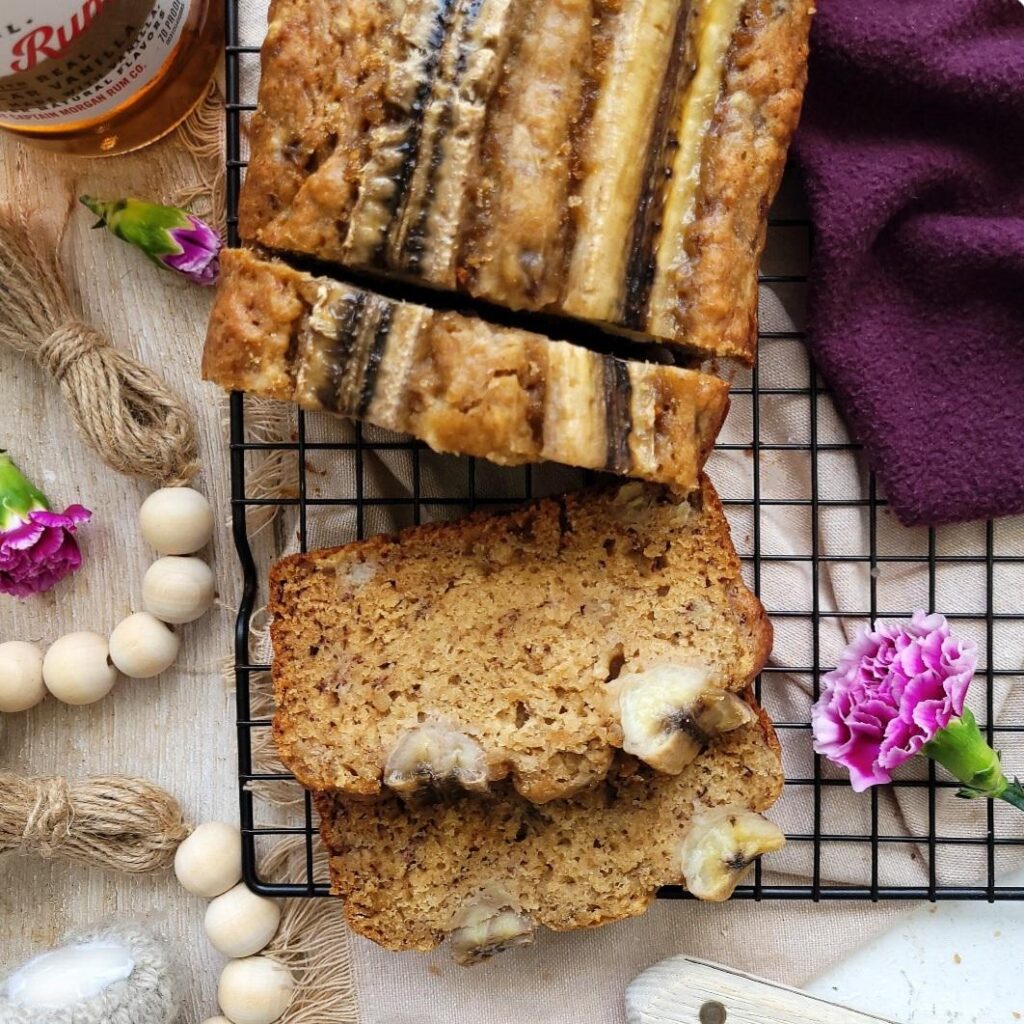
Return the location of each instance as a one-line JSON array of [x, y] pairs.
[[149, 995], [912, 142]]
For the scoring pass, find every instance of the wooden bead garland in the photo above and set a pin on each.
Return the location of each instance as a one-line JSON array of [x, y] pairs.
[[77, 668], [21, 669], [239, 923], [209, 862], [253, 989], [81, 668]]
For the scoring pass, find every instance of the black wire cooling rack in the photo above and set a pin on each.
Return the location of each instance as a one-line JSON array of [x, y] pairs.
[[940, 856]]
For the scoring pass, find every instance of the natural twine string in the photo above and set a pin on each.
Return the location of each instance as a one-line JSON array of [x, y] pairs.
[[201, 135], [122, 409], [112, 821]]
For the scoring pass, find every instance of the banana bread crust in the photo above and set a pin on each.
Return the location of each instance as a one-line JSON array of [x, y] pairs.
[[748, 143]]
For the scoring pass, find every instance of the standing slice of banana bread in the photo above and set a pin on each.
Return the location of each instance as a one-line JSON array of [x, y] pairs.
[[528, 645]]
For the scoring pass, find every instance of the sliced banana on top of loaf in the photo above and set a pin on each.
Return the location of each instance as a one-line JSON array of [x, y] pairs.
[[608, 160], [529, 645]]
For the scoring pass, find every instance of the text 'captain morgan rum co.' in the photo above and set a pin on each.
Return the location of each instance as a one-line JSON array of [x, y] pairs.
[[99, 77]]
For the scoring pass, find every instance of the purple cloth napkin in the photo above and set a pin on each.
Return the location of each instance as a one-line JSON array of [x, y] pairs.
[[912, 149]]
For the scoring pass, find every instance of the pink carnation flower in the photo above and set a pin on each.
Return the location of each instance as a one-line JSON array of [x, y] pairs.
[[199, 259], [169, 236], [896, 687], [39, 552], [37, 545]]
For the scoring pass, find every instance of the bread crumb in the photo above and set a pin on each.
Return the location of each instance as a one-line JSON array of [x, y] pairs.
[[957, 959]]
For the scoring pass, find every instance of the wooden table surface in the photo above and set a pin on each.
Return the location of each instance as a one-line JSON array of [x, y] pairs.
[[176, 729]]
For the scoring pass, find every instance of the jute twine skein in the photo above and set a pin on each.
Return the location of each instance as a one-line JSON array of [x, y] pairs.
[[121, 408], [113, 821]]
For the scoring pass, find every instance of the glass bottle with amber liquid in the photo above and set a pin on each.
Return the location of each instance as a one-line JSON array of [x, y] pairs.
[[99, 77]]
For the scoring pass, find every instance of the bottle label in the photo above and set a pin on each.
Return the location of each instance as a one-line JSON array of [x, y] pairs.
[[67, 61]]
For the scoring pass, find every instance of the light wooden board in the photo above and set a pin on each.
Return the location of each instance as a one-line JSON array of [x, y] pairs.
[[683, 990]]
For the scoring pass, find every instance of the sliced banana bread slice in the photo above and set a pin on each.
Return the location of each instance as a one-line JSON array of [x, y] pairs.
[[456, 382], [529, 644], [488, 871]]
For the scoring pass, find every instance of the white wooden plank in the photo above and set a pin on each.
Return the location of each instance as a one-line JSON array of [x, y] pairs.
[[683, 990]]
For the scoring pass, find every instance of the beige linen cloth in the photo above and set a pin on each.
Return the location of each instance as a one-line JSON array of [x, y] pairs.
[[581, 976]]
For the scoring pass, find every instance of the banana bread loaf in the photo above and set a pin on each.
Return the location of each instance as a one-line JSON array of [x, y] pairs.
[[612, 160]]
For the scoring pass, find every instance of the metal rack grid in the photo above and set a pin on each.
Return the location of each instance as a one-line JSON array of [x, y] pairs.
[[810, 787]]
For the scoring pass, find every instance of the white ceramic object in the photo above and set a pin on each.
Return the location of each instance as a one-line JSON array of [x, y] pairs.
[[216, 1020], [256, 990], [21, 676], [69, 974], [209, 862], [142, 646], [176, 520], [177, 589], [239, 923], [77, 668], [109, 974]]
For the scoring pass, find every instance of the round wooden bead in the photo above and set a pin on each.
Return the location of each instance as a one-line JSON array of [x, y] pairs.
[[176, 520], [240, 923], [256, 990], [141, 646], [209, 861], [177, 589], [21, 676], [77, 668]]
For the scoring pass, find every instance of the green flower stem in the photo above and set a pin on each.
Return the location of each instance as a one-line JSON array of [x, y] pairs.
[[146, 225], [962, 750], [17, 495]]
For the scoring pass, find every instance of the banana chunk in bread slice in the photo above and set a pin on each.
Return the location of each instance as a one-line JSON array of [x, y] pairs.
[[528, 645], [609, 160], [488, 872], [454, 381]]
